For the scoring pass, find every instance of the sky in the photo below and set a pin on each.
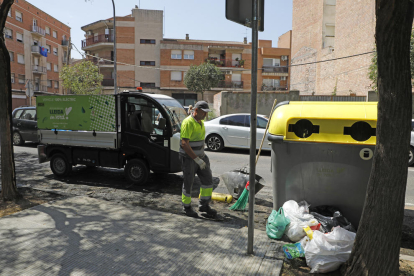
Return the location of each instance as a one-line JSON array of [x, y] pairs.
[[205, 20]]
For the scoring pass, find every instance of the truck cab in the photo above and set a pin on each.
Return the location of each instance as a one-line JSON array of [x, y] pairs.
[[139, 132]]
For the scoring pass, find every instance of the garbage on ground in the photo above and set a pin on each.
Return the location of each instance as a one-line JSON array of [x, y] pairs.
[[308, 232], [222, 197], [293, 250], [330, 217], [236, 180], [299, 217], [276, 224], [326, 252]]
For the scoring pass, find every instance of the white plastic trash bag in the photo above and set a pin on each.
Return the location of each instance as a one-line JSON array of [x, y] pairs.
[[299, 218], [326, 252]]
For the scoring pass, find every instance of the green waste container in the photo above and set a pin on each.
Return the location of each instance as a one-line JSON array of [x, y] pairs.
[[322, 153]]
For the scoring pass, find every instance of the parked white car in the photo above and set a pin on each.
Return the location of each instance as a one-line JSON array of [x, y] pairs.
[[233, 131], [411, 151]]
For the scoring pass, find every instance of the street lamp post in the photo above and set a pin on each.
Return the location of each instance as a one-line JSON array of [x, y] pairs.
[[115, 88]]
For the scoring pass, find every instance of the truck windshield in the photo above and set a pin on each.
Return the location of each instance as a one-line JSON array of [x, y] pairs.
[[176, 112]]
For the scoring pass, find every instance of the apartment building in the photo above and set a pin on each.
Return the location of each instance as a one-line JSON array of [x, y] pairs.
[[146, 59], [38, 45], [138, 38], [325, 34]]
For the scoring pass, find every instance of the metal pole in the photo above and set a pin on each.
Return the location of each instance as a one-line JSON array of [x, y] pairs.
[[253, 120], [115, 82]]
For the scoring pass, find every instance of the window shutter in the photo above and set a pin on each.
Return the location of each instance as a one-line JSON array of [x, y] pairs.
[[176, 75]]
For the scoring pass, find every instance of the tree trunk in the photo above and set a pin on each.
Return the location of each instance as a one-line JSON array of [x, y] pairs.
[[8, 176], [377, 244]]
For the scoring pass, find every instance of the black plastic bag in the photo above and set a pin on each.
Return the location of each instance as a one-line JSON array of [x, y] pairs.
[[329, 217]]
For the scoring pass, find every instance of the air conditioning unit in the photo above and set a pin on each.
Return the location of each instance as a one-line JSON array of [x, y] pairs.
[[107, 31], [89, 32], [284, 57], [283, 78]]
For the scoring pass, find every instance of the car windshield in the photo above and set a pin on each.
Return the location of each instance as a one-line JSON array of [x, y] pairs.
[[176, 112]]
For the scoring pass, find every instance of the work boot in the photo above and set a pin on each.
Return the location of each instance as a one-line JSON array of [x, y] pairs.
[[207, 209], [188, 211]]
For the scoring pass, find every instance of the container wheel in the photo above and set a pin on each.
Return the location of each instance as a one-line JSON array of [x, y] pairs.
[[17, 139], [215, 142], [410, 156], [60, 165], [136, 171]]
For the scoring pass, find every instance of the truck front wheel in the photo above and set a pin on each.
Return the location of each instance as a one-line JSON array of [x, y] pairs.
[[60, 165], [136, 171]]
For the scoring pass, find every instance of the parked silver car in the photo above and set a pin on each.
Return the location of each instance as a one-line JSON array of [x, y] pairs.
[[24, 125]]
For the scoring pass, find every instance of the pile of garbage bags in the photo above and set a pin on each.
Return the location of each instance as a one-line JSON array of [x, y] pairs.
[[321, 234]]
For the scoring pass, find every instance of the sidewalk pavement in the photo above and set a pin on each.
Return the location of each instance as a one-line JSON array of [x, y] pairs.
[[87, 236]]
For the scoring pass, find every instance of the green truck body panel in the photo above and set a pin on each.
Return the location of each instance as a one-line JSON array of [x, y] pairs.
[[77, 112]]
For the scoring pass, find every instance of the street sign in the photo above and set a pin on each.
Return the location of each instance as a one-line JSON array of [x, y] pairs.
[[240, 11]]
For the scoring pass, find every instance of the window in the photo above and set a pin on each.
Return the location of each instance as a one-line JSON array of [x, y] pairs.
[[55, 51], [188, 54], [55, 68], [47, 30], [18, 114], [261, 123], [56, 84], [49, 83], [147, 41], [19, 37], [143, 116], [271, 62], [19, 16], [238, 120], [330, 30], [48, 66], [35, 42], [54, 34], [9, 13], [22, 79], [11, 56], [12, 77], [176, 75], [20, 59], [29, 114], [48, 48], [175, 54], [95, 37], [34, 22], [8, 33], [147, 85], [147, 63]]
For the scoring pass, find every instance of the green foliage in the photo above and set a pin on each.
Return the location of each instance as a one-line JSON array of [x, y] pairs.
[[373, 68], [335, 87], [82, 78], [202, 77]]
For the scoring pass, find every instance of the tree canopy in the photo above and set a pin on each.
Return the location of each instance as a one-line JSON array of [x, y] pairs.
[[202, 77], [82, 78]]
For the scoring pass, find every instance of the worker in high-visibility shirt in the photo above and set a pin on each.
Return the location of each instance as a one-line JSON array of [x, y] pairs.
[[194, 160]]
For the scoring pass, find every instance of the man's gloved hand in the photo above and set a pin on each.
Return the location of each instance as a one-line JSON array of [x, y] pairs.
[[200, 163]]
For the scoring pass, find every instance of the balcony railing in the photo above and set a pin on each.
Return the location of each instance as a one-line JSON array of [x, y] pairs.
[[38, 87], [101, 62], [108, 82], [274, 87], [230, 84], [39, 69], [226, 62], [275, 69], [97, 39], [65, 42], [35, 49], [38, 30]]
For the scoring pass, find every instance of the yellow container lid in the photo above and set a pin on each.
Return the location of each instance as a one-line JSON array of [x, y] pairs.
[[326, 122]]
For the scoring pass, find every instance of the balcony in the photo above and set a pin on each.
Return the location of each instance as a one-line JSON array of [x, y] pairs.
[[107, 82], [274, 87], [275, 69], [36, 69], [38, 31], [39, 88], [36, 50], [97, 39], [65, 43], [226, 62], [230, 84]]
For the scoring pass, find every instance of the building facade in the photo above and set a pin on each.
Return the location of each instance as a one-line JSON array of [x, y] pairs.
[[146, 59], [325, 36], [27, 30]]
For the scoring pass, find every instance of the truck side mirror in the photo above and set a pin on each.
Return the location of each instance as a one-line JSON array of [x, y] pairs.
[[161, 123]]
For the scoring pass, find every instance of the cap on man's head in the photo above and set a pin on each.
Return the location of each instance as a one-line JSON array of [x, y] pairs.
[[203, 105]]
